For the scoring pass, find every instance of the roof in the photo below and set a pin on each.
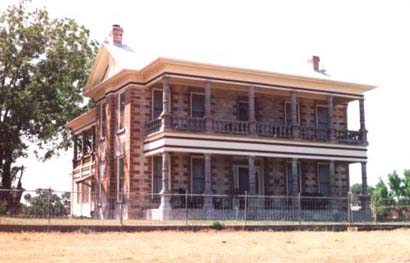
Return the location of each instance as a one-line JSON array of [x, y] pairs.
[[122, 61], [85, 120]]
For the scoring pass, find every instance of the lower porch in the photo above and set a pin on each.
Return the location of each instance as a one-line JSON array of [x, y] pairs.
[[228, 187]]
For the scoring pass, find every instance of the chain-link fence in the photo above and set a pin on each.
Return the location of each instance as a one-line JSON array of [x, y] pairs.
[[48, 207]]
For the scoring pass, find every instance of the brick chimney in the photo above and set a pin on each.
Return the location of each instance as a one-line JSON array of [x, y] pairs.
[[316, 61], [117, 31]]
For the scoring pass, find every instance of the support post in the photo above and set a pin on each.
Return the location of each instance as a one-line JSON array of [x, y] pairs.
[[349, 207], [252, 175], [294, 115], [295, 176], [208, 117], [166, 114], [251, 103], [330, 116], [365, 204], [332, 175], [208, 183], [165, 198], [363, 131]]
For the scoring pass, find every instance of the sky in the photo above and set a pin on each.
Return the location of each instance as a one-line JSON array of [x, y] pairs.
[[362, 41]]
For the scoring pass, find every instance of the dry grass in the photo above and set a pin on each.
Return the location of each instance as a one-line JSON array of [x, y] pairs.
[[381, 246]]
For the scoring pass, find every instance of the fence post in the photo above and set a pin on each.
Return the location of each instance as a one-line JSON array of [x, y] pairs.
[[186, 206], [349, 208], [48, 208], [245, 208], [299, 209]]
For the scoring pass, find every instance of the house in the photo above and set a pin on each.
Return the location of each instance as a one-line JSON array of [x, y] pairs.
[[174, 126]]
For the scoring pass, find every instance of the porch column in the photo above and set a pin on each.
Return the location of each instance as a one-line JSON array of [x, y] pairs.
[[294, 118], [330, 116], [165, 185], [165, 115], [83, 144], [208, 117], [208, 182], [332, 173], [295, 175], [364, 185], [252, 175], [252, 118], [363, 131]]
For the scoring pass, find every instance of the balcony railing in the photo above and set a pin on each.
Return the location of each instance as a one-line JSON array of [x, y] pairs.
[[273, 130], [152, 126], [231, 127], [314, 134], [190, 124], [263, 129]]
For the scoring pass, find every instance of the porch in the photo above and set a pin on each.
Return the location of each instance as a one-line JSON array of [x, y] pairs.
[[226, 187]]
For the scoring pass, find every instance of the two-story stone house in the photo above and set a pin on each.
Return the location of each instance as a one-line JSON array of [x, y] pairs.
[[174, 125]]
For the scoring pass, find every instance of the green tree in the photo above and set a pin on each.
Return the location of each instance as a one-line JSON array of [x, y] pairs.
[[47, 203], [44, 63]]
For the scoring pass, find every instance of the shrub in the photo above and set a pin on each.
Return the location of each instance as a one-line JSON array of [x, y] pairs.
[[217, 225]]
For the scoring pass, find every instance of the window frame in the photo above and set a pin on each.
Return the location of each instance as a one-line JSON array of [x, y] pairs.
[[288, 162], [153, 98], [152, 173], [317, 113], [119, 196], [297, 112], [192, 174], [121, 114], [197, 93], [243, 101], [318, 176]]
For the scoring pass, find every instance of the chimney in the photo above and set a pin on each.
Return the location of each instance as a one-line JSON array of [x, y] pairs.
[[316, 60], [117, 31]]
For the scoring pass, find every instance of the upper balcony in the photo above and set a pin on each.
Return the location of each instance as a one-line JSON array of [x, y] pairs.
[[254, 112]]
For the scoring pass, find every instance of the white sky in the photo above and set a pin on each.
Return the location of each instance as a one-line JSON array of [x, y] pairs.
[[366, 41]]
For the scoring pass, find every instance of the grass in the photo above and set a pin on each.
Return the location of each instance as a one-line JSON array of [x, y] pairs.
[[210, 246]]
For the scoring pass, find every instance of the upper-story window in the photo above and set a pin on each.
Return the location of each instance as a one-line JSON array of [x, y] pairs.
[[322, 117], [122, 111], [243, 110], [156, 104], [288, 113], [197, 105], [198, 175], [103, 121]]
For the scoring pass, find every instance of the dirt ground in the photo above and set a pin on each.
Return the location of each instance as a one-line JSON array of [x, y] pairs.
[[211, 246]]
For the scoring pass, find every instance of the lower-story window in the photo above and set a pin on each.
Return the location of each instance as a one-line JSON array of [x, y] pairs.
[[290, 179], [120, 177], [156, 174], [198, 175], [324, 179], [78, 192]]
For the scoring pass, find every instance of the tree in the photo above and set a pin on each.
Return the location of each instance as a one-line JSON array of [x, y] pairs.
[[47, 203], [44, 63]]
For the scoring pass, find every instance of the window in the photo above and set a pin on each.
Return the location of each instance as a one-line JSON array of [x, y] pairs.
[[243, 110], [122, 110], [324, 179], [157, 104], [120, 177], [103, 122], [322, 117], [102, 170], [198, 175], [290, 181], [197, 105], [288, 113], [156, 174], [85, 193]]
